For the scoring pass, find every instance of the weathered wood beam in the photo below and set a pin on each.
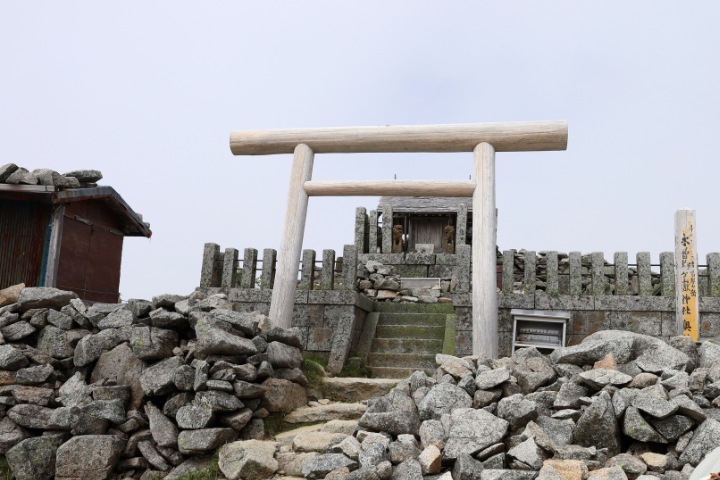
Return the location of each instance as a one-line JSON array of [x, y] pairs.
[[283, 294], [484, 270], [398, 188], [504, 137]]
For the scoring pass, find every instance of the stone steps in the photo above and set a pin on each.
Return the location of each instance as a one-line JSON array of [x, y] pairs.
[[406, 345], [389, 307], [410, 331], [407, 338], [418, 361], [426, 319]]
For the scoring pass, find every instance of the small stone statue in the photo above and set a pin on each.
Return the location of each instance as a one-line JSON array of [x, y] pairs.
[[397, 240], [449, 241]]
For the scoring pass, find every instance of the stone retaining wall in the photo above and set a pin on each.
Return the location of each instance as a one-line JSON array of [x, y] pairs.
[[648, 315], [330, 321]]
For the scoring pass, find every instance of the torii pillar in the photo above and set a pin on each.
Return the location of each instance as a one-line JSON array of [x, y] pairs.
[[483, 139]]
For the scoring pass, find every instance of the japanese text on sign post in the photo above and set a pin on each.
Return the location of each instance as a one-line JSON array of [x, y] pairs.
[[687, 273]]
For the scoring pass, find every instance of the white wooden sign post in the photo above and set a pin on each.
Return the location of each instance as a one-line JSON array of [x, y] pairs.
[[483, 139], [686, 274]]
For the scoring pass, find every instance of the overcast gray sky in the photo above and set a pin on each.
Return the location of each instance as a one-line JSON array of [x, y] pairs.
[[148, 92]]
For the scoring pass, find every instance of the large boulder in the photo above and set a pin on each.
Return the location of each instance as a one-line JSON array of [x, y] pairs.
[[88, 457], [244, 322], [44, 297], [248, 460], [11, 294], [90, 347], [443, 399], [534, 373], [11, 434], [472, 432], [89, 176], [705, 440], [197, 442], [121, 367], [598, 426], [53, 341], [164, 431], [284, 356], [282, 395], [651, 352], [11, 358], [395, 413], [215, 341], [31, 416], [709, 354], [151, 343], [517, 410], [34, 458], [158, 379], [319, 466], [590, 351]]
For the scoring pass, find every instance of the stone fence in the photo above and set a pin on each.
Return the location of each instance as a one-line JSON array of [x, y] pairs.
[[224, 269], [599, 295], [649, 315]]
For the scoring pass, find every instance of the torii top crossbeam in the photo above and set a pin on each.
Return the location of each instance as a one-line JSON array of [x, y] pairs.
[[483, 139]]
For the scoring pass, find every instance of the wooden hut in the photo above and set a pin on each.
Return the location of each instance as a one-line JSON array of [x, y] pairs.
[[424, 218], [66, 238]]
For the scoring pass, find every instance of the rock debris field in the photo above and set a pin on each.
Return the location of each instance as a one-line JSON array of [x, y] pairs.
[[151, 388]]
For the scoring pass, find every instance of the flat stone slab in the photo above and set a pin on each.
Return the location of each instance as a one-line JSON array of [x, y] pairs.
[[325, 413], [358, 389]]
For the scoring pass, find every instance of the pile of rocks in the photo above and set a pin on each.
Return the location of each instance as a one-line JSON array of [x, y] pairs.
[[618, 406], [125, 390], [379, 282], [14, 175]]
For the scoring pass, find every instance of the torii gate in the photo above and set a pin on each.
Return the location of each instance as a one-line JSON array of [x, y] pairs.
[[483, 139]]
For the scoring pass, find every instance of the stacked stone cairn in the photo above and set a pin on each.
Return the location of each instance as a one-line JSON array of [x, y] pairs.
[[378, 282], [617, 406], [127, 390]]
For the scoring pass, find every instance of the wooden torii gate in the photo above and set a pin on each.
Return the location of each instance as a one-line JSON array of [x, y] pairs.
[[483, 139]]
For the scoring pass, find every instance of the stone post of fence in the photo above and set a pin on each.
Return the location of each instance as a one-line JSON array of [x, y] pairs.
[[464, 259], [597, 260], [530, 264], [622, 283], [387, 228], [667, 274], [307, 275], [461, 228], [644, 273], [551, 267], [208, 274], [327, 276], [372, 232], [249, 267], [508, 276], [575, 271], [230, 264], [350, 263], [267, 278], [360, 230], [713, 271]]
